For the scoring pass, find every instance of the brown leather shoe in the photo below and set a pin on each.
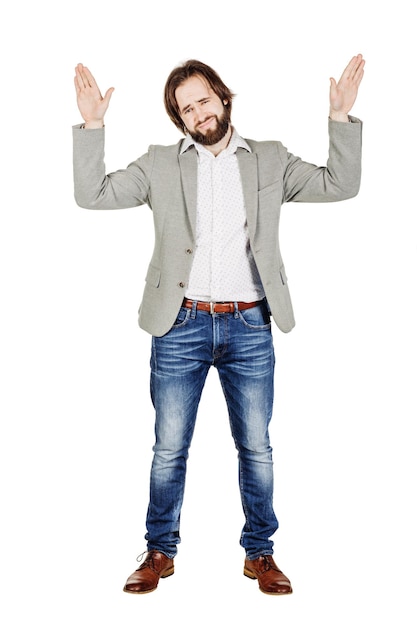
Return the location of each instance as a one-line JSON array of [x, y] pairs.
[[146, 577], [270, 578]]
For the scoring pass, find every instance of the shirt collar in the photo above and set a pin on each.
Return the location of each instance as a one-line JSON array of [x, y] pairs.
[[236, 141]]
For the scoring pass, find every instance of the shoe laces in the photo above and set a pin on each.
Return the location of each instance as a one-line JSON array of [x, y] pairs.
[[148, 562], [268, 563], [140, 556]]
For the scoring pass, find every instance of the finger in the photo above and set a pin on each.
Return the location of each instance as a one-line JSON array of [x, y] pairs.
[[356, 77], [83, 77], [79, 77], [352, 66], [359, 72], [108, 95], [358, 61], [358, 80], [89, 77], [77, 85]]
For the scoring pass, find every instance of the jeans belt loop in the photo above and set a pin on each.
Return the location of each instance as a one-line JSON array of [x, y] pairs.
[[212, 308], [193, 310]]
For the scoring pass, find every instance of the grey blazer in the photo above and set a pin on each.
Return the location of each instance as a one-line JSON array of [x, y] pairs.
[[166, 181]]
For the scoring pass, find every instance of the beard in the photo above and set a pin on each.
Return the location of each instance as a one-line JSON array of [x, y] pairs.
[[213, 136]]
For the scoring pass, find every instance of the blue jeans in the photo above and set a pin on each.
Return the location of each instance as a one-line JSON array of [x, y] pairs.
[[239, 345]]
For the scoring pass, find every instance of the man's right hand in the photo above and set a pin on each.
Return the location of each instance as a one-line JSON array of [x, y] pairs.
[[90, 102]]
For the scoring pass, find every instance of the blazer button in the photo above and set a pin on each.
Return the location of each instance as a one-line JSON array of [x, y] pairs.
[[181, 284], [189, 251]]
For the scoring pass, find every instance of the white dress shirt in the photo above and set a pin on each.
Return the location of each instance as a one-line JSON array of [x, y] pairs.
[[223, 268]]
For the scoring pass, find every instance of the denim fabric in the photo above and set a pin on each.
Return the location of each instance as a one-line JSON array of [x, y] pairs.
[[240, 346]]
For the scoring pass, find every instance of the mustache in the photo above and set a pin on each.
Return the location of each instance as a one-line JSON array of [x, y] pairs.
[[210, 117]]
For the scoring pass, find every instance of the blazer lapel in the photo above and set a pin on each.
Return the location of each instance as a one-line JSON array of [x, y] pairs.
[[188, 167], [248, 165]]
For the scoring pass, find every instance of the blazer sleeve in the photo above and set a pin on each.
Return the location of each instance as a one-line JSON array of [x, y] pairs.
[[93, 188], [339, 180]]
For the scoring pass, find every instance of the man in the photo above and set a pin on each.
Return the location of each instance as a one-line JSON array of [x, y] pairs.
[[215, 277]]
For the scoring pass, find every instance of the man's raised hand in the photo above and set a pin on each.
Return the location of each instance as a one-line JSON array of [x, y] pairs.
[[90, 102], [343, 94]]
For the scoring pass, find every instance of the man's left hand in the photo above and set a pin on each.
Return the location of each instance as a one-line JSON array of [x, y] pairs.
[[343, 94]]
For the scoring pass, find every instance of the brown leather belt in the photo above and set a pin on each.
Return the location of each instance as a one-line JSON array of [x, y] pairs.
[[219, 307]]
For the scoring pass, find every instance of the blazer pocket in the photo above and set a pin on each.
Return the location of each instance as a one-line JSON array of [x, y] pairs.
[[273, 188], [153, 277], [283, 275]]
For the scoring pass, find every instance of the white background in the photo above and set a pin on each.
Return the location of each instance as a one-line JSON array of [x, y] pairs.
[[76, 418]]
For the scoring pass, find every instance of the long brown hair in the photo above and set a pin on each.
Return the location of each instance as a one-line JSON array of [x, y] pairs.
[[181, 74]]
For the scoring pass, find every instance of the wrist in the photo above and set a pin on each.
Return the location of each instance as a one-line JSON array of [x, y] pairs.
[[94, 124], [338, 116]]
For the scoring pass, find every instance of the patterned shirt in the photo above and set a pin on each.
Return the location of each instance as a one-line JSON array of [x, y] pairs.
[[223, 268]]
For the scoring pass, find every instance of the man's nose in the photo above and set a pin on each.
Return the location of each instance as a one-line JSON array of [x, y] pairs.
[[200, 115]]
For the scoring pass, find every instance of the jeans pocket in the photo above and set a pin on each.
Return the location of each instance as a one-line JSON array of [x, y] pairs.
[[182, 317], [257, 318]]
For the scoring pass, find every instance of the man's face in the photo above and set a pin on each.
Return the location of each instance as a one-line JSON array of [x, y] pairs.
[[203, 113]]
